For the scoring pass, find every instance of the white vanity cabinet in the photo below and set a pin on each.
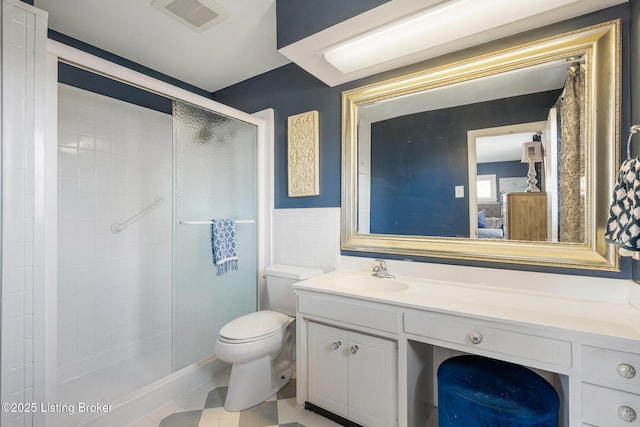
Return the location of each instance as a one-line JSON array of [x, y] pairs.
[[352, 374], [347, 357], [588, 350], [610, 387]]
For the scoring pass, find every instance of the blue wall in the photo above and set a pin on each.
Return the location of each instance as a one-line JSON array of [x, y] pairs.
[[77, 77], [417, 159], [290, 90]]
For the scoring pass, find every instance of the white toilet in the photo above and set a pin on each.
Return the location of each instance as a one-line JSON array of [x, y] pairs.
[[260, 345]]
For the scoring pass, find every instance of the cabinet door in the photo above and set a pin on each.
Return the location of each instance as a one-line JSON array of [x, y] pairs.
[[372, 380], [327, 370]]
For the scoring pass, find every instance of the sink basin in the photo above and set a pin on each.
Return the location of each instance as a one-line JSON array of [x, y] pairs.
[[371, 283]]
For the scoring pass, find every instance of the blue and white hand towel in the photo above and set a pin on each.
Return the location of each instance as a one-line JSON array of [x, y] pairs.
[[224, 244], [623, 225]]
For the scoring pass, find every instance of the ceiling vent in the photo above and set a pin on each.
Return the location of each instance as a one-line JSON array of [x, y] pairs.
[[198, 15]]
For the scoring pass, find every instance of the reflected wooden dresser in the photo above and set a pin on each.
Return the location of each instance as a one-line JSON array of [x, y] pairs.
[[524, 216]]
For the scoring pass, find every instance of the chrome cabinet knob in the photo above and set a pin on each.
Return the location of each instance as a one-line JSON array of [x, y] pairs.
[[627, 414], [626, 371], [475, 337], [336, 345], [353, 349]]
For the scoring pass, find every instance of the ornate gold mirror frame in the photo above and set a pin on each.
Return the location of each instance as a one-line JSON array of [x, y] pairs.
[[600, 47]]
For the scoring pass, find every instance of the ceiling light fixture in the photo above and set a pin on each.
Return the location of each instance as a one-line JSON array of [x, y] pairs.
[[448, 21]]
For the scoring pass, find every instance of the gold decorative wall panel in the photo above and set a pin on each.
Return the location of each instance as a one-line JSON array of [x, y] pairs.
[[302, 155]]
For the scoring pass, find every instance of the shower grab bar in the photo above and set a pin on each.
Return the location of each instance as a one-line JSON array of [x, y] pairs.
[[117, 228], [237, 221]]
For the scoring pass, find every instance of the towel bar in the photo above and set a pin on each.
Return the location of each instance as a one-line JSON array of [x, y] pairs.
[[118, 227], [237, 221]]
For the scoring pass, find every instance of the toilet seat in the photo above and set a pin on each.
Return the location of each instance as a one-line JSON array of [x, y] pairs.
[[254, 327]]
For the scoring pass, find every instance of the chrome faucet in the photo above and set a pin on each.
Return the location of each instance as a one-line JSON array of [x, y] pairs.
[[380, 270]]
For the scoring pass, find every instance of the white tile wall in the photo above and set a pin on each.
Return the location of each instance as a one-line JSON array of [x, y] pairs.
[[307, 237], [114, 289], [23, 59]]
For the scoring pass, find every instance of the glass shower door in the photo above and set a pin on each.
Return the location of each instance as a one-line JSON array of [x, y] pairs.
[[216, 178], [114, 231]]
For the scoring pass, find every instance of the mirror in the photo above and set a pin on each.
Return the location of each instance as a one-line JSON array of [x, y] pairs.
[[439, 163]]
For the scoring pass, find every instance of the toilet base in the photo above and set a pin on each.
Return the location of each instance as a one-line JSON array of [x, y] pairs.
[[251, 383]]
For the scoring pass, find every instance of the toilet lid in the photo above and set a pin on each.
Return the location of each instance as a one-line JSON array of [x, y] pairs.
[[254, 325]]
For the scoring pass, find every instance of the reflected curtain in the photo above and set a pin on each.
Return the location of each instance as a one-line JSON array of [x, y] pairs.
[[571, 157]]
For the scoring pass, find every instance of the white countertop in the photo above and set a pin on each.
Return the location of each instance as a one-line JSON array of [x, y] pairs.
[[491, 303]]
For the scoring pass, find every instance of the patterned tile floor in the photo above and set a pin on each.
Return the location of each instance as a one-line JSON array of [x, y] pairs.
[[203, 407]]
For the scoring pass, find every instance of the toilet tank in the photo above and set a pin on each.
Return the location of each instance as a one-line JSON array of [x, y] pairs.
[[280, 279]]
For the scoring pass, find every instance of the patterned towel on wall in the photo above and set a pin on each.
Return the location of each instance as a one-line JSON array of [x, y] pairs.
[[623, 225], [224, 244]]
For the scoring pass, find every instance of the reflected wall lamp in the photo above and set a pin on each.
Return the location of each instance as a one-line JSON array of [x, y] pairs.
[[446, 22], [532, 154]]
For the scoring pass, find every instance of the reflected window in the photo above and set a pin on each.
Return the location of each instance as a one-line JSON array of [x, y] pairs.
[[486, 188]]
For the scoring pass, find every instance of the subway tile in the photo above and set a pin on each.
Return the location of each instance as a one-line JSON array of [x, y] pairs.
[[87, 144], [16, 350], [14, 279], [29, 379], [28, 326], [16, 376], [17, 304], [28, 278]]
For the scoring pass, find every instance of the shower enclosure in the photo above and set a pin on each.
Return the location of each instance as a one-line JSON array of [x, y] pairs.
[[138, 295]]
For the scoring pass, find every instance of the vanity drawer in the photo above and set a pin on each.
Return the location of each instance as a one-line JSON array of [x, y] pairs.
[[478, 335], [355, 313], [614, 367], [606, 407]]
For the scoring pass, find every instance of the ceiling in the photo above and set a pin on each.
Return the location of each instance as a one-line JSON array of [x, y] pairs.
[[244, 45], [238, 48]]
